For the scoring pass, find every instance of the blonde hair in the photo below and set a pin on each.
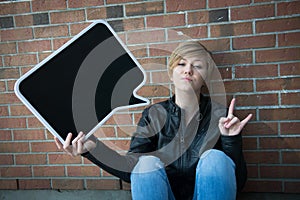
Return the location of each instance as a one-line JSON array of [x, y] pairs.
[[191, 49]]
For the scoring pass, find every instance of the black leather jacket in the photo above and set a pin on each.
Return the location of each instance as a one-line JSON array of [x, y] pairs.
[[161, 133]]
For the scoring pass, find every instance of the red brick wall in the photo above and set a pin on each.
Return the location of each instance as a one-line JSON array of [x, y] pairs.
[[255, 45]]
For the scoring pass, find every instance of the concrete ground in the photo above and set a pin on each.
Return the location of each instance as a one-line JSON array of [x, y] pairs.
[[113, 194]]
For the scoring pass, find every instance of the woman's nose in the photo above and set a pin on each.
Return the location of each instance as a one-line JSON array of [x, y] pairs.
[[188, 69]]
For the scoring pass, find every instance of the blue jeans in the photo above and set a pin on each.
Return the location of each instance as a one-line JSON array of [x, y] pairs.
[[215, 178]]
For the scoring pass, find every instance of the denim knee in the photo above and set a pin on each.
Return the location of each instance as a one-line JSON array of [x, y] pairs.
[[215, 161], [148, 164]]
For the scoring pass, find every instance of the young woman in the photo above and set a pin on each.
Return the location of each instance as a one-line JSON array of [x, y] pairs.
[[187, 147]]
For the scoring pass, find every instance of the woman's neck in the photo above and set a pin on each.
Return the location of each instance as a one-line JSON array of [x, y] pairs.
[[189, 102]]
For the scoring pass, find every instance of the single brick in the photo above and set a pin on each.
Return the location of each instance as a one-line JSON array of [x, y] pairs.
[[39, 19], [218, 15], [114, 11], [6, 22]]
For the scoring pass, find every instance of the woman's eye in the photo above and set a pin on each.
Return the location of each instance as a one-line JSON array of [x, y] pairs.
[[197, 66], [181, 64]]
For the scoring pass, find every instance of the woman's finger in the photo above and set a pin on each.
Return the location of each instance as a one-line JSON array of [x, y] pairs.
[[58, 143], [246, 120], [80, 145], [231, 107], [233, 121], [76, 144], [67, 141]]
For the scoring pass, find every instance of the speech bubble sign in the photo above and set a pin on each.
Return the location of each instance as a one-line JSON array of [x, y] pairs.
[[83, 83]]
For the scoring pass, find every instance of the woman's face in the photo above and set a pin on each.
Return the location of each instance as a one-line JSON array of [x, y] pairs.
[[189, 74]]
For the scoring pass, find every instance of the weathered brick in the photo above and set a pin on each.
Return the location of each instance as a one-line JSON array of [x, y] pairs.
[[114, 11], [279, 114], [263, 186], [278, 84], [250, 143], [233, 58], [76, 28], [252, 12], [44, 5], [119, 1], [6, 160], [166, 20], [198, 17], [221, 3], [254, 42], [6, 22], [231, 29], [67, 16], [216, 44], [265, 157], [63, 159], [288, 157], [183, 5], [187, 33], [290, 98], [278, 25], [288, 8], [28, 134], [9, 73], [257, 100], [256, 71], [20, 60], [238, 86], [96, 13], [48, 171], [34, 184], [24, 20], [289, 128], [16, 34], [154, 91], [13, 123], [8, 184], [11, 147], [220, 15], [276, 55], [84, 3], [31, 159], [290, 68], [144, 8], [68, 184], [142, 37], [117, 25], [8, 98], [133, 24], [15, 171], [83, 171], [43, 147], [280, 172], [3, 110], [57, 43], [14, 8], [289, 39], [107, 184], [261, 129], [291, 186], [40, 19], [34, 46], [51, 31]]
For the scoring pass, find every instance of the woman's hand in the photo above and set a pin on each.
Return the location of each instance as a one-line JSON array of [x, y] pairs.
[[231, 125], [78, 145]]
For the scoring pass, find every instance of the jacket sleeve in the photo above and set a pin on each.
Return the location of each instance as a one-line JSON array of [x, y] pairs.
[[232, 146], [122, 165]]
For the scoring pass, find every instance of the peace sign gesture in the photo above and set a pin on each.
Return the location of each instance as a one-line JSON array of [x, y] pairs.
[[231, 125]]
